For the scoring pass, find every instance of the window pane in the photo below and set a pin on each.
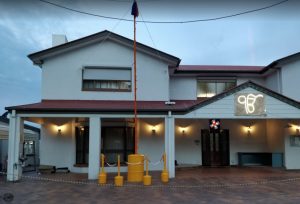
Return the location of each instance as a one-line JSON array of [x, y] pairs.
[[90, 84], [125, 85], [97, 84], [230, 85], [221, 87], [104, 84], [206, 89]]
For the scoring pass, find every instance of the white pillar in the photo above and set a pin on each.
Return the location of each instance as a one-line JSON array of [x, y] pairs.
[[170, 144], [14, 168], [94, 147]]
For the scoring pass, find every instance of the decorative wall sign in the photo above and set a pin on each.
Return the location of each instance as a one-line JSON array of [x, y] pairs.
[[214, 124], [249, 104]]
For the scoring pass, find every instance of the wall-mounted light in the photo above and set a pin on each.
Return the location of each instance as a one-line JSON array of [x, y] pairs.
[[58, 131], [293, 127], [249, 131], [183, 130], [288, 126], [153, 129]]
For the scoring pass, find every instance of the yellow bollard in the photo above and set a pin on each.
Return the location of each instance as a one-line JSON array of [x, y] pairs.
[[102, 177], [119, 181], [135, 168], [147, 178], [165, 172]]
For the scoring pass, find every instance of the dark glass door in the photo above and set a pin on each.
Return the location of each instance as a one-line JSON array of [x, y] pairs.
[[215, 148], [117, 141], [82, 145]]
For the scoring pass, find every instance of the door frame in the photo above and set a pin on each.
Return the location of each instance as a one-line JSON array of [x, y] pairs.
[[206, 160]]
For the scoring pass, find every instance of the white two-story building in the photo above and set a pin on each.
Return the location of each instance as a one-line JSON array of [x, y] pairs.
[[198, 115]]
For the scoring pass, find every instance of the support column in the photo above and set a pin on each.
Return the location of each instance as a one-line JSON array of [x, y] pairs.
[[14, 168], [94, 147], [170, 144]]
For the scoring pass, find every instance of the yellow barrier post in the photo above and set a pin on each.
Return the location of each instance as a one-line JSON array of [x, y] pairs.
[[102, 175], [119, 179], [147, 178], [165, 173]]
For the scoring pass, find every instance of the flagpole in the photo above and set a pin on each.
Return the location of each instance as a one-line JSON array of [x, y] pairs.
[[135, 90]]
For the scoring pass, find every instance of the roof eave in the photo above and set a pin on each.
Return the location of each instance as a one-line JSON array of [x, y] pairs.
[[37, 57]]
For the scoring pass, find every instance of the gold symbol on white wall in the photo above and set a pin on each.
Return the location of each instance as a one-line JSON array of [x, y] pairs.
[[249, 102]]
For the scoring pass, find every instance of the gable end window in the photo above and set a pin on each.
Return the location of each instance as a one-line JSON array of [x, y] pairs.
[[210, 88], [106, 79]]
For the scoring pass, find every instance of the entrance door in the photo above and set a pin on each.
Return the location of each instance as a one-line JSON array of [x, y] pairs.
[[215, 148], [117, 141]]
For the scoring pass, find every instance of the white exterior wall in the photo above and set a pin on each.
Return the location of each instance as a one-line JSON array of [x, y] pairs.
[[290, 80], [257, 80], [62, 75], [60, 151], [275, 135], [183, 88], [188, 152], [273, 81], [152, 145], [292, 153], [239, 139], [57, 150]]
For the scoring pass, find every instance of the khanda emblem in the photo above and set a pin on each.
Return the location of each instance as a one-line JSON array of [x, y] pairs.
[[249, 102]]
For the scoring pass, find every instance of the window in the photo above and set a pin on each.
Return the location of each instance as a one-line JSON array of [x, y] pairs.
[[207, 89], [117, 141], [106, 79]]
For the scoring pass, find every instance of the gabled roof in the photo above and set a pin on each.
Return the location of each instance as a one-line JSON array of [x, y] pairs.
[[181, 106], [283, 60], [228, 69], [244, 86], [219, 71], [38, 57], [219, 68]]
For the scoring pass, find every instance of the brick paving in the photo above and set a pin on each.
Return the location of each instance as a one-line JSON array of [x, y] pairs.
[[192, 185]]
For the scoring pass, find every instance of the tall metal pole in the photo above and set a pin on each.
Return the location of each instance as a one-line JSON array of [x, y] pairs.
[[135, 91]]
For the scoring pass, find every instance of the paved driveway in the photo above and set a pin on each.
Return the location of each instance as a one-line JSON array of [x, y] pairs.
[[196, 185]]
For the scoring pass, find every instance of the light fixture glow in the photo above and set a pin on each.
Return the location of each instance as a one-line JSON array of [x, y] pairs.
[[154, 130], [183, 130]]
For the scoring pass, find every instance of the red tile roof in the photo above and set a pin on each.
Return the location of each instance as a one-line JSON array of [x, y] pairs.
[[216, 68], [104, 106], [181, 106]]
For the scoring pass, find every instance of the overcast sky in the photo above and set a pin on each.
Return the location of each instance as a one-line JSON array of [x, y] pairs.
[[252, 39]]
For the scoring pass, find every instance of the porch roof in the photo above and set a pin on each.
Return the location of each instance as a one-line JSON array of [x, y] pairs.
[[103, 106], [107, 106]]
